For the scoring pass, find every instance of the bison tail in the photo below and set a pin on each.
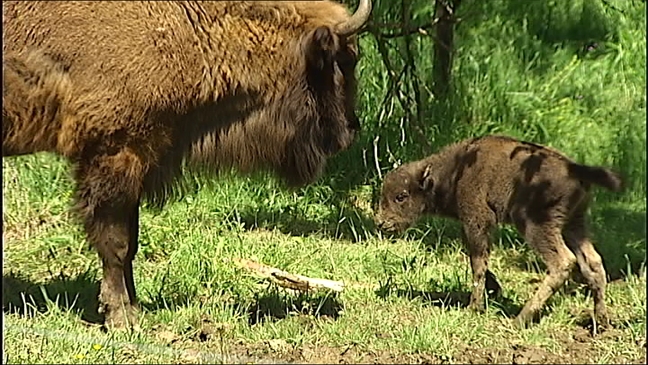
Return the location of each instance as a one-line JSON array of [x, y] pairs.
[[597, 175]]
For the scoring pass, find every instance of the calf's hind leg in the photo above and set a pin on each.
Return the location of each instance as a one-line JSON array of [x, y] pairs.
[[108, 195], [546, 239], [590, 264]]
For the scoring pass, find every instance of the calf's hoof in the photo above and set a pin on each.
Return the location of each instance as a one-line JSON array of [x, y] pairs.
[[523, 320], [601, 316], [477, 306], [600, 323]]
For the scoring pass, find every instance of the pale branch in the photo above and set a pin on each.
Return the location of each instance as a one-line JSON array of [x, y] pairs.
[[288, 280]]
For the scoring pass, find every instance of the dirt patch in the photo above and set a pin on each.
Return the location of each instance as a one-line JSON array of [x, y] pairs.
[[279, 350], [580, 348], [513, 355]]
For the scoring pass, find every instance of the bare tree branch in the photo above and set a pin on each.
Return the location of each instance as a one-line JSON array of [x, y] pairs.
[[422, 30], [607, 3], [416, 123], [393, 89]]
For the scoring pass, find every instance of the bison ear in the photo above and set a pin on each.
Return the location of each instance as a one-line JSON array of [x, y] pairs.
[[320, 50], [427, 182]]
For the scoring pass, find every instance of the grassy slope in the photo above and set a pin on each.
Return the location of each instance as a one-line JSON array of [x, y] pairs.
[[512, 76]]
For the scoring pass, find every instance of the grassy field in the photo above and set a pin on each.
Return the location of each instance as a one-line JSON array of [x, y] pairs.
[[578, 85]]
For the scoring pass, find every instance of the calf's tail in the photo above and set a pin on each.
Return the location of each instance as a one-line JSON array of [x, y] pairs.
[[597, 175]]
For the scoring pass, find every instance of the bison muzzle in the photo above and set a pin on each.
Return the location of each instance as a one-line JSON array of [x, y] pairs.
[[131, 91]]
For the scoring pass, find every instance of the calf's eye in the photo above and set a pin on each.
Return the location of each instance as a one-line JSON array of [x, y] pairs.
[[401, 197]]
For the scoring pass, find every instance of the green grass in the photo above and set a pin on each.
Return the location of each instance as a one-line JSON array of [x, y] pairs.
[[513, 75], [199, 306]]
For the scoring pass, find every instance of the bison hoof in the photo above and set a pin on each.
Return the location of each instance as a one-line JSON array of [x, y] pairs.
[[121, 318]]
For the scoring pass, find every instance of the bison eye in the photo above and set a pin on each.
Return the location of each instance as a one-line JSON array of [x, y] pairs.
[[401, 197]]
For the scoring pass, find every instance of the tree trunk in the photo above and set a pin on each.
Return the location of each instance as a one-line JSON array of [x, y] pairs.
[[443, 45]]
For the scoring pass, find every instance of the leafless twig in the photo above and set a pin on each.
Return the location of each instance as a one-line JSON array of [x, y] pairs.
[[288, 280]]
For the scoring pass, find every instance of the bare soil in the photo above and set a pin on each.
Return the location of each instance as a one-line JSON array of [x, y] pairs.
[[579, 348]]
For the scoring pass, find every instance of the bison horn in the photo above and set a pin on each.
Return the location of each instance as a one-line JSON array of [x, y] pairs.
[[357, 20]]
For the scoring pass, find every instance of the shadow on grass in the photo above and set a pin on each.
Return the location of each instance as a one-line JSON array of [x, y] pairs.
[[449, 298], [347, 222], [453, 297], [273, 306], [461, 299], [79, 294], [620, 237]]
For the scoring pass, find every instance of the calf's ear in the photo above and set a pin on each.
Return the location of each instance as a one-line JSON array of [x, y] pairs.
[[427, 181], [321, 46]]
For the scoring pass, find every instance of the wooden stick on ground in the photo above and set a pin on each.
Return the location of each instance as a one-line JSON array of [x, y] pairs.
[[288, 280]]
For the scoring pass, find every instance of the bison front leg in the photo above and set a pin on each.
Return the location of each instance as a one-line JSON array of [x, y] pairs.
[[133, 245], [108, 200]]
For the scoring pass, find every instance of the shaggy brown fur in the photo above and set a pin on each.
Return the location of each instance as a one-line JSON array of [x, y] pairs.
[[129, 90], [493, 180]]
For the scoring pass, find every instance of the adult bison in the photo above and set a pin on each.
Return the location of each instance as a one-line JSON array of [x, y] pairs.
[[127, 91]]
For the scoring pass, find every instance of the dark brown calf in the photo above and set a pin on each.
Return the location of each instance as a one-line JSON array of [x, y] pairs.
[[492, 180]]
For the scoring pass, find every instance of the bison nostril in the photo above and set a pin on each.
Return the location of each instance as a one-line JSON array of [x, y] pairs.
[[384, 225]]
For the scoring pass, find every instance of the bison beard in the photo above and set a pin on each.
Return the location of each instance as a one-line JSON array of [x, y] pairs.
[[251, 85]]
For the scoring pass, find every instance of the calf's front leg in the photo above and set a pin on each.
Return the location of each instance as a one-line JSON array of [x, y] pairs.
[[476, 234]]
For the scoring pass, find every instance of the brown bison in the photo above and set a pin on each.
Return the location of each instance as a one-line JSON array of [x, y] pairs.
[[499, 180], [128, 91]]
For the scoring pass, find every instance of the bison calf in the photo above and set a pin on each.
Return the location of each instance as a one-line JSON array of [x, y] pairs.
[[492, 180]]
